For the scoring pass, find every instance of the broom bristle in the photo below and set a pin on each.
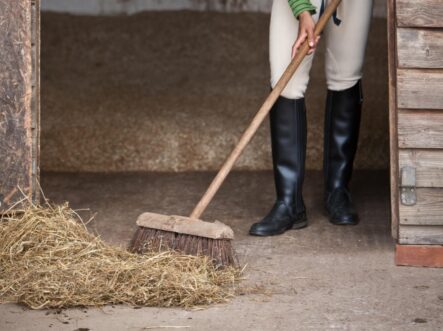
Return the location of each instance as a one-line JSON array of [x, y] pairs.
[[152, 240]]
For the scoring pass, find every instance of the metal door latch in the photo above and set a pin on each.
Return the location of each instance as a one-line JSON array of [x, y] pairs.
[[408, 194]]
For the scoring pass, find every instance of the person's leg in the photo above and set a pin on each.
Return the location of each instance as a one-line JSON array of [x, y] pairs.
[[288, 128], [282, 34], [346, 38]]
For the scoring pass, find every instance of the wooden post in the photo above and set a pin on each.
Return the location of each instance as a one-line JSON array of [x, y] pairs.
[[19, 100]]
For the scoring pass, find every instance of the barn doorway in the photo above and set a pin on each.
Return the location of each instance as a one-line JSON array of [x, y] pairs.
[[139, 110], [139, 106]]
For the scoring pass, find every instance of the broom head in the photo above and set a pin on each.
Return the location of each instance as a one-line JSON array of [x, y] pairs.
[[157, 232]]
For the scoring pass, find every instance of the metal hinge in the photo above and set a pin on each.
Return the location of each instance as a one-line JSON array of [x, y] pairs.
[[408, 194]]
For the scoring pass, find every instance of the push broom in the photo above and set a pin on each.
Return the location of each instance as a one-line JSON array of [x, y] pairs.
[[191, 235]]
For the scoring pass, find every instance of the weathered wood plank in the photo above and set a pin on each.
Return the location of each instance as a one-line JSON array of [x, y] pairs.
[[423, 13], [420, 129], [16, 119], [428, 164], [393, 141], [419, 255], [419, 89], [421, 235], [427, 211], [420, 48]]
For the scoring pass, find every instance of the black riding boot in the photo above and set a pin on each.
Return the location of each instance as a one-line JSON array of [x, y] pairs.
[[342, 124], [288, 137]]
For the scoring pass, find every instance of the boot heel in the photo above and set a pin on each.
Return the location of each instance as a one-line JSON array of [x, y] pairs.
[[300, 223]]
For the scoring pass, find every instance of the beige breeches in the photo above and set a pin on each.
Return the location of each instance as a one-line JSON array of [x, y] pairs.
[[345, 38]]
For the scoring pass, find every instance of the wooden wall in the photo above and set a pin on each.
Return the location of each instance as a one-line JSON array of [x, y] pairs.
[[19, 100], [416, 33]]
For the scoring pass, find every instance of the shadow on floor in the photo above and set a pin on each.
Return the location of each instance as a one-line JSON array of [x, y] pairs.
[[117, 200]]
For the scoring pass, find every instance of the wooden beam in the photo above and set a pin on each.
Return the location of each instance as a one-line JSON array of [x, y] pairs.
[[419, 255], [35, 98], [18, 96], [393, 140]]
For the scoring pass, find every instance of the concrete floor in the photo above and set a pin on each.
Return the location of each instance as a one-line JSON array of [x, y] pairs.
[[319, 278]]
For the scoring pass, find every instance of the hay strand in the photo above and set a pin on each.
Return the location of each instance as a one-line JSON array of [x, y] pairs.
[[48, 259]]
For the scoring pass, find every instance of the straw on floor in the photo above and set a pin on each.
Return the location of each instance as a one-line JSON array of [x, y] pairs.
[[48, 259]]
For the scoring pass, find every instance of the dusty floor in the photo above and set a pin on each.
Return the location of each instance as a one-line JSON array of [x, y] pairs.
[[143, 93], [172, 91], [321, 278]]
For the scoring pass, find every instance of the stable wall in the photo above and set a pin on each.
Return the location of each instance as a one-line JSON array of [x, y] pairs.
[[113, 7], [173, 91]]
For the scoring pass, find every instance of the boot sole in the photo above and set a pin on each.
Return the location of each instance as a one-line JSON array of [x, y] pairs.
[[295, 226], [336, 221], [341, 222], [300, 225]]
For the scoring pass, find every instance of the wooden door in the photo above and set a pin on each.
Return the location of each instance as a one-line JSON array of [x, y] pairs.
[[19, 100], [416, 115]]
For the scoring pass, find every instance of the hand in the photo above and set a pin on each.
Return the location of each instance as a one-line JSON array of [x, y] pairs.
[[305, 30]]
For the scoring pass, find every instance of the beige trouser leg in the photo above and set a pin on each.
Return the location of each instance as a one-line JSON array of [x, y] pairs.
[[345, 45]]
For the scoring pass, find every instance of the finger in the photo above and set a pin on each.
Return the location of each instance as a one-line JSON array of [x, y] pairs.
[[301, 38], [294, 51], [297, 44], [311, 38], [312, 49]]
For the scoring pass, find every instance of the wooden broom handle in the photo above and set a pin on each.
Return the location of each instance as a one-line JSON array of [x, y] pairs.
[[261, 114]]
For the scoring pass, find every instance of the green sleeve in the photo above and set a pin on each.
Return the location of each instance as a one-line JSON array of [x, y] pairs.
[[299, 6]]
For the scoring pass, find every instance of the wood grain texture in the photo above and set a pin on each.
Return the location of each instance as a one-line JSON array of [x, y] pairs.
[[427, 163], [419, 89], [420, 235], [393, 140], [427, 211], [420, 13], [16, 119], [420, 129], [185, 225], [419, 255], [420, 48]]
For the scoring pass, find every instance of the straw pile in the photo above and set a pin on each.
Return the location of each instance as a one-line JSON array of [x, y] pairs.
[[49, 260]]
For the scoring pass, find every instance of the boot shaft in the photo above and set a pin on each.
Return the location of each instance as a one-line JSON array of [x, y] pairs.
[[342, 126], [288, 138]]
